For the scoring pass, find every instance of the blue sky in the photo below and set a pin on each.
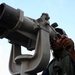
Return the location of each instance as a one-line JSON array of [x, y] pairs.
[[60, 11]]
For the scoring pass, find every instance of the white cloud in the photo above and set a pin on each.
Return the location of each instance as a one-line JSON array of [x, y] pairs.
[[0, 52]]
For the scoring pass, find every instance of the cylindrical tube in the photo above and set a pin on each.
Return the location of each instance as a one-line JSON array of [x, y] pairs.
[[12, 20]]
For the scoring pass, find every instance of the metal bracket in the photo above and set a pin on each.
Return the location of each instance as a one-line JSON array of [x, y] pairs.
[[30, 65]]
